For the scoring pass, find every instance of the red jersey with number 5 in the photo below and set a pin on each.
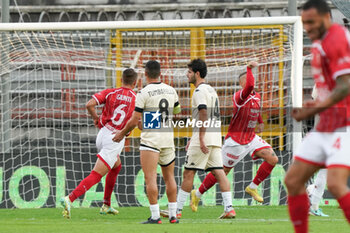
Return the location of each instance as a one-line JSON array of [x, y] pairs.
[[119, 104], [246, 113], [331, 59]]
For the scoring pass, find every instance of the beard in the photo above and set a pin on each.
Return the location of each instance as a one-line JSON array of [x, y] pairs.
[[322, 30]]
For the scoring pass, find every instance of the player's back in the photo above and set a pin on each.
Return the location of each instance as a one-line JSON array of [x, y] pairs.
[[245, 117], [331, 59], [205, 94], [157, 101], [119, 104]]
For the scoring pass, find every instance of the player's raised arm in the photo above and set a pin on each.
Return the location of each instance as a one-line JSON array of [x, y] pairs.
[[246, 80], [90, 106]]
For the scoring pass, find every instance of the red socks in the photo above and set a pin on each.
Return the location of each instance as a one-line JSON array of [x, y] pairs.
[[344, 203], [110, 181], [207, 183], [263, 172], [299, 212], [85, 185]]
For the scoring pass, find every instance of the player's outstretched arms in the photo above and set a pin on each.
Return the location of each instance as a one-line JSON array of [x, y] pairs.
[[130, 125], [341, 90], [90, 106]]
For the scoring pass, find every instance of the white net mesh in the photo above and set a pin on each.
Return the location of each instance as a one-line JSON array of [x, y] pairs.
[[48, 139]]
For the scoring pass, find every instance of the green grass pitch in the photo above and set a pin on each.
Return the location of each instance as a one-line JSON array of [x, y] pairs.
[[259, 219]]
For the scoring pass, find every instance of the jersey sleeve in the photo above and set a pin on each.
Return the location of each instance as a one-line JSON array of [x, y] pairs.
[[199, 100], [177, 107], [338, 53], [100, 97], [249, 87], [140, 102]]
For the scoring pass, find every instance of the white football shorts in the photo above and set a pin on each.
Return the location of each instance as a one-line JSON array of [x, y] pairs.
[[233, 152], [326, 149], [108, 150]]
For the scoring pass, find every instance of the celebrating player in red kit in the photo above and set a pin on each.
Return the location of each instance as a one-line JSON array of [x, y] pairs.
[[241, 139], [328, 145], [119, 104]]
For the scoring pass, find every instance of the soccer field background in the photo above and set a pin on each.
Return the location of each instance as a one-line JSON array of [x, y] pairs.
[[261, 219]]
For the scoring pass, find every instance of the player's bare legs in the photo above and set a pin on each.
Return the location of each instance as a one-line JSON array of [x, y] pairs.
[[100, 167], [263, 172], [187, 182], [337, 179], [298, 202], [221, 178], [149, 162], [171, 190], [170, 184]]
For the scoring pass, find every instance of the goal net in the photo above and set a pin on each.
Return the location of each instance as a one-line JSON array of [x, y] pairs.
[[49, 72]]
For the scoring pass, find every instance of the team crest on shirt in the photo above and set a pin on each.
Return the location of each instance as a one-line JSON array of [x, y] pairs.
[[151, 120]]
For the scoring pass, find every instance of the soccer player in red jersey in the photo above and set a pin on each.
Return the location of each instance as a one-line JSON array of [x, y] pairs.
[[328, 145], [119, 104], [242, 140]]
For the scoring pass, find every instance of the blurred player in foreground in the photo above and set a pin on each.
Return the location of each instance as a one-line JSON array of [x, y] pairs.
[[156, 146], [241, 139], [328, 145], [119, 103]]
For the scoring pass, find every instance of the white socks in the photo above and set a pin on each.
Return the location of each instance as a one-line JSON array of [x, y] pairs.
[[227, 198], [172, 209], [181, 199], [155, 211], [317, 192], [198, 194], [253, 186]]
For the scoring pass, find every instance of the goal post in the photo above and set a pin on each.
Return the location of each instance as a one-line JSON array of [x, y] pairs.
[[54, 68]]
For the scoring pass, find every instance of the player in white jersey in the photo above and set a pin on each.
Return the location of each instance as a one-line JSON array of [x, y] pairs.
[[204, 148], [316, 190], [155, 103]]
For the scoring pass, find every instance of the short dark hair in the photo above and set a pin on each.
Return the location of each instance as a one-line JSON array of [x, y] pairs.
[[152, 69], [241, 75], [321, 6], [129, 76], [198, 65]]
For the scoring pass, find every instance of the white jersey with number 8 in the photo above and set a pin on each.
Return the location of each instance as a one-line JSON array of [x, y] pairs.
[[160, 98]]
